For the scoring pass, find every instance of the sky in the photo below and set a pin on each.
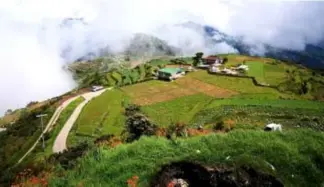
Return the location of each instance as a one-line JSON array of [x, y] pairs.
[[32, 37]]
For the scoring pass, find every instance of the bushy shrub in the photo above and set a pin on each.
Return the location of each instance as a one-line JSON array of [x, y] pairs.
[[132, 109], [178, 61], [178, 130], [138, 125], [219, 126], [225, 60], [67, 159]]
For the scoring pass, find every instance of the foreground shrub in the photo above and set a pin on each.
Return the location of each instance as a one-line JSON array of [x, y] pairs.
[[67, 159], [219, 126], [138, 125], [178, 130], [132, 109]]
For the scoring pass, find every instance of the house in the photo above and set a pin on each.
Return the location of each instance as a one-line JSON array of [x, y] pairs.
[[96, 88], [212, 60], [170, 73], [2, 129]]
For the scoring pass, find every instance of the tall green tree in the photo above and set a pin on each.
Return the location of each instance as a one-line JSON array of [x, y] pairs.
[[196, 59]]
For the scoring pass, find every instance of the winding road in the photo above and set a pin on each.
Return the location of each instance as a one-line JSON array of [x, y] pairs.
[[49, 124], [60, 141]]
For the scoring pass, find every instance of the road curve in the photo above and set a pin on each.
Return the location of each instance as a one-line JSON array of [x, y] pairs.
[[49, 124], [60, 141]]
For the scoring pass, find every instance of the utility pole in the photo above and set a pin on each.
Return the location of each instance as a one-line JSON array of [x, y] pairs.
[[41, 116]]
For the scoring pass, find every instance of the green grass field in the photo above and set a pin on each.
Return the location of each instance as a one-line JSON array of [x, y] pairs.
[[256, 69], [157, 62], [296, 156], [303, 104], [242, 85], [275, 74], [178, 110], [103, 115]]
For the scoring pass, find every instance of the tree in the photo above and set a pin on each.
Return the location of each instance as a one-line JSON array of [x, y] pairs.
[[305, 87], [225, 60], [196, 59]]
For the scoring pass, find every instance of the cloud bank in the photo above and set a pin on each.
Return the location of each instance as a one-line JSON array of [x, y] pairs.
[[33, 38]]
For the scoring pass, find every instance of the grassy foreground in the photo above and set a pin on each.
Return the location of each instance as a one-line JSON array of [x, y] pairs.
[[296, 156]]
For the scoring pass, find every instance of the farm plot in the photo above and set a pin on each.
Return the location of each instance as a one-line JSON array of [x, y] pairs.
[[256, 69], [155, 91], [205, 88], [241, 85], [275, 74], [102, 115], [177, 110]]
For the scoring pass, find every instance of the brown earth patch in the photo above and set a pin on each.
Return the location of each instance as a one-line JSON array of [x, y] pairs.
[[249, 58], [198, 132], [148, 88], [205, 88], [163, 96]]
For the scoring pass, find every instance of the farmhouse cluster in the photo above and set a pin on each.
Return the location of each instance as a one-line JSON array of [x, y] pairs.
[[213, 64]]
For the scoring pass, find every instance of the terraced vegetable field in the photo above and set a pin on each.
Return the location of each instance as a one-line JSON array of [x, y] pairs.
[[102, 115], [178, 110]]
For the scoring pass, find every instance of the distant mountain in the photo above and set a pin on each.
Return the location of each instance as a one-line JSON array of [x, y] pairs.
[[312, 56], [147, 45]]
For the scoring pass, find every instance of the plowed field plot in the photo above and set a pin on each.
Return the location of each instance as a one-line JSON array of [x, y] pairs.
[[205, 88], [156, 91]]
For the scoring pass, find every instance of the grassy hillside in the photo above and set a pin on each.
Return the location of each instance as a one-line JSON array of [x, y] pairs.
[[295, 155], [102, 115], [19, 137]]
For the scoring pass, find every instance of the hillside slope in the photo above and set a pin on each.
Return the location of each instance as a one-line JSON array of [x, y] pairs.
[[295, 157]]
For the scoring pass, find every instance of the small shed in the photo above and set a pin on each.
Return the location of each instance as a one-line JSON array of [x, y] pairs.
[[170, 73]]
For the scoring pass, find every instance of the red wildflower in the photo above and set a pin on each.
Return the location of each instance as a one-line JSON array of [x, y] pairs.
[[171, 184]]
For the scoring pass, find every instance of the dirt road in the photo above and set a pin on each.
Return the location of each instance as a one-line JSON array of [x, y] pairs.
[[49, 124], [60, 141]]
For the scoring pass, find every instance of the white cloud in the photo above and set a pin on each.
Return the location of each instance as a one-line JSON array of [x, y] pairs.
[[32, 41]]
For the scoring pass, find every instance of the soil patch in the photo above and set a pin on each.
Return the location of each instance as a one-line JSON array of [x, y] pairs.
[[196, 175], [205, 88], [163, 96]]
